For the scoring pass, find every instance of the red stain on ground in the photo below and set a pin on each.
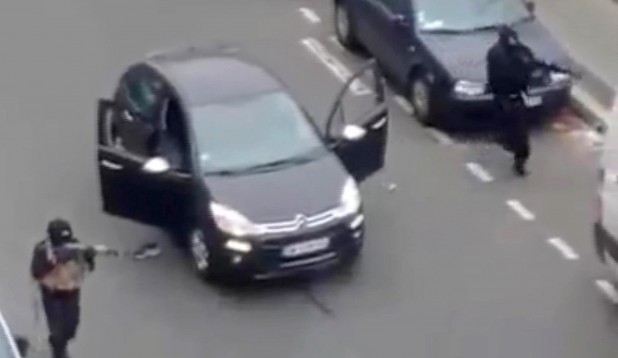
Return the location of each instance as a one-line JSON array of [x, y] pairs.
[[567, 121]]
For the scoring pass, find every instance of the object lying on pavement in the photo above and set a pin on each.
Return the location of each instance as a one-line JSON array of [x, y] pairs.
[[146, 251]]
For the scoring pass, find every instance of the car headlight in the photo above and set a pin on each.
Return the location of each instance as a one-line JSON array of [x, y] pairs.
[[232, 222], [350, 201], [238, 245], [469, 88], [559, 77]]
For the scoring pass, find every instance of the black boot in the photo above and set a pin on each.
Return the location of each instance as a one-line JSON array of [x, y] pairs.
[[519, 167], [59, 350]]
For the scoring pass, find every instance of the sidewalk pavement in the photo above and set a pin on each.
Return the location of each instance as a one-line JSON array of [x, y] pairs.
[[589, 31]]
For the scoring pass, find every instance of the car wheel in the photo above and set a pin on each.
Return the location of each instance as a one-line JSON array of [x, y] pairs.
[[201, 255], [344, 29], [178, 236], [420, 97]]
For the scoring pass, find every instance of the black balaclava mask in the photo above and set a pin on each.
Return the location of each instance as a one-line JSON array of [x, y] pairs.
[[507, 36], [59, 231]]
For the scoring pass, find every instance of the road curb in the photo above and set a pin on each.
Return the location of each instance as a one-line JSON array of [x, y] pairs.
[[591, 111]]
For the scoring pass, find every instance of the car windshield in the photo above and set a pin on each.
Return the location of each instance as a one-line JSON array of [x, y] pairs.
[[467, 15], [252, 131]]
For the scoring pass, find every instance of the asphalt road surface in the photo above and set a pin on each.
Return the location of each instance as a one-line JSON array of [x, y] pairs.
[[593, 41], [462, 260]]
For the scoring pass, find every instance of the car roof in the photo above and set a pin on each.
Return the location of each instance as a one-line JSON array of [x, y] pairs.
[[208, 75]]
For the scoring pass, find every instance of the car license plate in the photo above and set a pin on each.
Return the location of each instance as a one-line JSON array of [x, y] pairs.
[[533, 101], [306, 247]]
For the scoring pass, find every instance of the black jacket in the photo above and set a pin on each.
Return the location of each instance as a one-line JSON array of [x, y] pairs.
[[509, 68], [40, 266]]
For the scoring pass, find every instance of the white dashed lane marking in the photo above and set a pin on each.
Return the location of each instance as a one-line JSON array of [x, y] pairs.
[[479, 172], [564, 248], [310, 15], [608, 289], [520, 209], [404, 105], [336, 67], [333, 39], [440, 136]]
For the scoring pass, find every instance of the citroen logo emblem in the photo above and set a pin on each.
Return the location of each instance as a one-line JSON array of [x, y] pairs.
[[301, 220]]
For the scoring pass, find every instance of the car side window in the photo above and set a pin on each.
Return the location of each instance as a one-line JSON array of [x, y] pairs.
[[172, 142], [403, 7], [139, 97], [391, 5], [141, 91]]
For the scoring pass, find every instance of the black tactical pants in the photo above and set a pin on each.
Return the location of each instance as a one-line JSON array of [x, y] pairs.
[[62, 311], [512, 119]]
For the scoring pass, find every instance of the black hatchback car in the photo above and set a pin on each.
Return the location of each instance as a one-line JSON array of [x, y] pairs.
[[434, 51], [211, 145]]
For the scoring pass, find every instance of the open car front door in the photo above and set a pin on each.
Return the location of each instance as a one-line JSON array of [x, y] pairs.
[[138, 188], [119, 177], [360, 143]]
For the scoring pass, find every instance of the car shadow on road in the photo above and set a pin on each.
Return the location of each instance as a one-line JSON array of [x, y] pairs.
[[306, 285]]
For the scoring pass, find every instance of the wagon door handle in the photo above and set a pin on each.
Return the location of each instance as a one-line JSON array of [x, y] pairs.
[[111, 165]]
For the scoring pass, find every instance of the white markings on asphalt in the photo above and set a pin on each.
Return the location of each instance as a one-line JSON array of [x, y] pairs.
[[310, 15], [479, 172], [440, 137], [608, 289], [520, 209], [564, 248], [594, 138], [334, 65], [336, 42], [404, 104]]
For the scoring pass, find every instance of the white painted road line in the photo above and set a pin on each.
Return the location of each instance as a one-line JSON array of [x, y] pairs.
[[310, 15], [520, 209], [594, 138], [403, 103], [440, 137], [336, 42], [479, 172], [564, 248], [608, 289], [334, 65]]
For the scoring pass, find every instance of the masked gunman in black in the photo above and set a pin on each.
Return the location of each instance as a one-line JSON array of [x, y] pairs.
[[509, 67], [60, 271]]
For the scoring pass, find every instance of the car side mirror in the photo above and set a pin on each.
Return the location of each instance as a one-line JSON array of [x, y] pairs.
[[156, 165], [531, 6], [353, 132], [23, 345]]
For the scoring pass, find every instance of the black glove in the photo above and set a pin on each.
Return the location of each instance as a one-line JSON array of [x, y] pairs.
[[89, 255]]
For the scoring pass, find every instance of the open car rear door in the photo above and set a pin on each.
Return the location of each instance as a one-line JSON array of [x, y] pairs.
[[360, 142]]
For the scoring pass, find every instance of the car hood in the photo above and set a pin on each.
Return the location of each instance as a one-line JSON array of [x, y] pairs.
[[463, 55], [280, 195]]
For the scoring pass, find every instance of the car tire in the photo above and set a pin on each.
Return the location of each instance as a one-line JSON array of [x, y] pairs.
[[202, 256], [344, 29], [356, 251], [421, 98]]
